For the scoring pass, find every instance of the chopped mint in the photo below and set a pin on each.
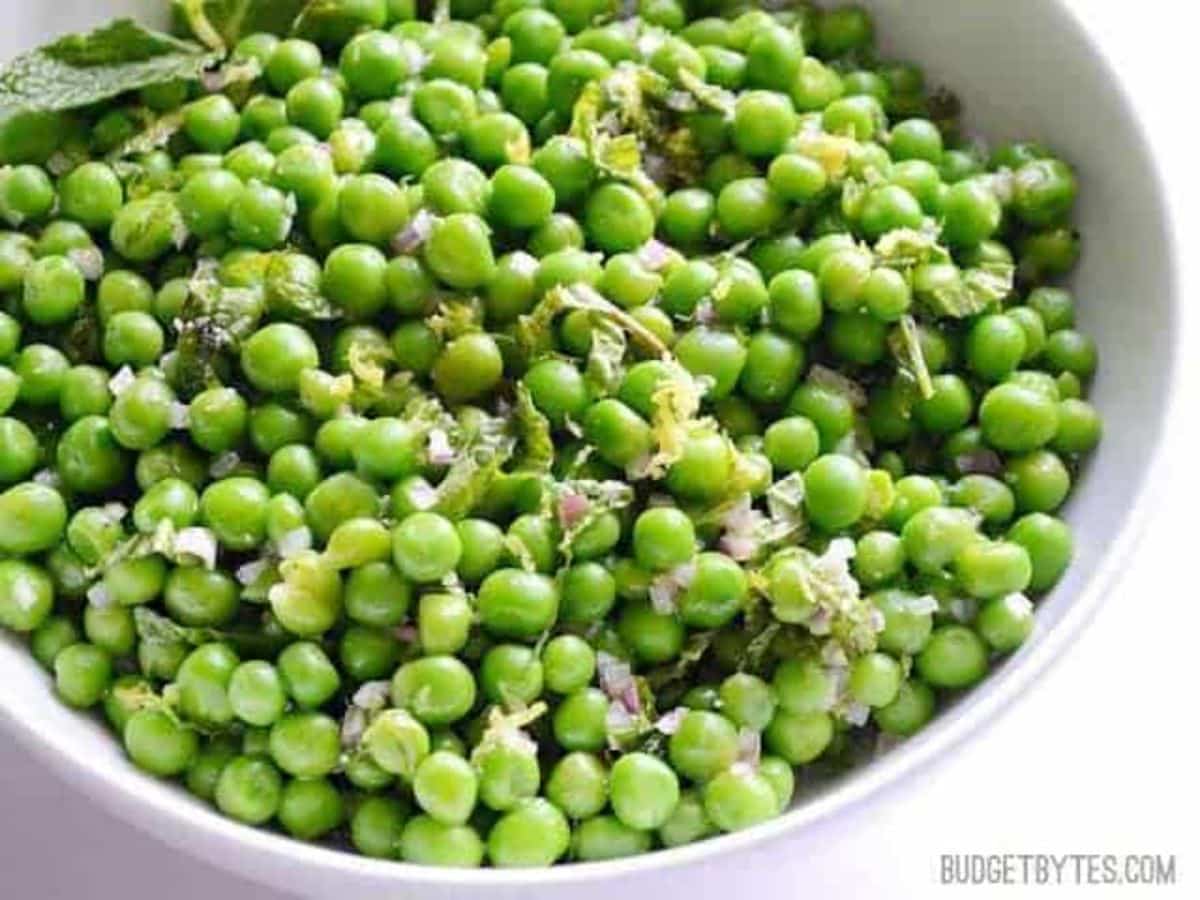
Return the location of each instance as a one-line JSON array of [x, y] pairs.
[[905, 344], [222, 23], [605, 362], [82, 69], [533, 429]]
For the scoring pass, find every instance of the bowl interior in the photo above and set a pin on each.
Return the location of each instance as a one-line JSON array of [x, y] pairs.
[[1024, 69]]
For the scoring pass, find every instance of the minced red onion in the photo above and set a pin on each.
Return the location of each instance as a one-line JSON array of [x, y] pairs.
[[838, 676], [121, 381], [115, 512], [372, 695], [523, 263], [212, 80], [180, 233], [832, 654], [749, 748], [980, 462], [840, 551], [177, 415], [962, 609], [25, 595], [423, 496], [654, 255], [830, 378], [738, 548], [618, 717], [657, 166], [59, 164], [99, 596], [857, 714], [572, 508], [89, 261], [1023, 603], [438, 449], [415, 233], [666, 587], [199, 543], [295, 541], [640, 467], [416, 58], [249, 572], [926, 604], [223, 464], [47, 478], [820, 622], [617, 681], [662, 597], [668, 723], [354, 723]]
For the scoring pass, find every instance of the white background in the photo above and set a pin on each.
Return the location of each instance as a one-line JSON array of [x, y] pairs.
[[1100, 757]]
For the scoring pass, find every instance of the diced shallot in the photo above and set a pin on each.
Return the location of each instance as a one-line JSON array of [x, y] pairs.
[[121, 381], [572, 508], [669, 723], [295, 541], [438, 448], [373, 695], [99, 596], [415, 233], [249, 572], [199, 544]]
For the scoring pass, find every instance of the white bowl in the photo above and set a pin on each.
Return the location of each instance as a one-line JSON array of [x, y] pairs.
[[1024, 68]]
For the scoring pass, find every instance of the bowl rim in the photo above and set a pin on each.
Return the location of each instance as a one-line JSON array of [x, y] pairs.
[[163, 812]]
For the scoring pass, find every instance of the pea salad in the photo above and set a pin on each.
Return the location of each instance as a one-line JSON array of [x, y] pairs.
[[520, 432]]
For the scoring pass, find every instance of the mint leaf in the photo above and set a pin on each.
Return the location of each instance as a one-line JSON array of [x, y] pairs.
[[533, 429], [905, 344], [332, 23], [474, 469], [605, 362], [82, 69], [231, 20], [974, 292]]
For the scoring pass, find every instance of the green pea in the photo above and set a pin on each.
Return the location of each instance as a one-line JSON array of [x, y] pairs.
[[687, 823], [535, 833], [835, 492], [82, 673], [159, 744], [438, 690], [704, 745], [508, 775], [908, 713], [734, 800], [428, 842], [644, 791], [716, 594], [34, 519], [249, 790], [53, 291], [377, 825], [514, 603], [26, 595], [309, 809], [307, 674], [955, 657], [934, 536]]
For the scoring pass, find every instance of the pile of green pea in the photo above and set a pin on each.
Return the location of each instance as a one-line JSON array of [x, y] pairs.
[[393, 464]]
